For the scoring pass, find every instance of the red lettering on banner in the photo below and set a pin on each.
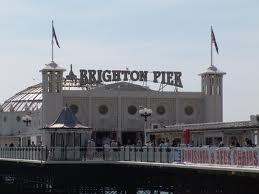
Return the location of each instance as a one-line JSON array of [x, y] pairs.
[[212, 159], [217, 157], [239, 157], [184, 156], [207, 157], [225, 157], [255, 158], [229, 157], [203, 156], [221, 156], [198, 156], [244, 158], [195, 156], [250, 158], [235, 157], [189, 156]]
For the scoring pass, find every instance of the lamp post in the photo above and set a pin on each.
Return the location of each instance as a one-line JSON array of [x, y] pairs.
[[145, 112]]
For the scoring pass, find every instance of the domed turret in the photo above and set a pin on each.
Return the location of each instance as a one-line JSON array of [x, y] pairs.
[[212, 87], [52, 81]]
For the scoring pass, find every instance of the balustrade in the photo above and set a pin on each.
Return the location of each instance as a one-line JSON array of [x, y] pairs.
[[241, 157]]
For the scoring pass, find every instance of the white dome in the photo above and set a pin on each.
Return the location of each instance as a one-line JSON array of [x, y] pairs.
[[30, 99]]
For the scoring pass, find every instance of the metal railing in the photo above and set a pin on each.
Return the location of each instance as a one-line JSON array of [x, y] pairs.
[[24, 153], [184, 155]]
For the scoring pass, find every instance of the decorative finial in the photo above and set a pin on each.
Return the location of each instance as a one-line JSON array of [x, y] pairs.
[[71, 75]]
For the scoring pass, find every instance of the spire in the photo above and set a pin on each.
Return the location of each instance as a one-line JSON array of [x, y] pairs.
[[71, 75]]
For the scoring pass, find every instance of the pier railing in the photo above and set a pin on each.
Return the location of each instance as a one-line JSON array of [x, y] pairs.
[[244, 156]]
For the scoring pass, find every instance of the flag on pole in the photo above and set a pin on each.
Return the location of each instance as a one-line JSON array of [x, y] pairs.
[[213, 40], [54, 35]]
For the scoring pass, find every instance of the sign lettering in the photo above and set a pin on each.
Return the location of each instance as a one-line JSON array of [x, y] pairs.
[[98, 76]]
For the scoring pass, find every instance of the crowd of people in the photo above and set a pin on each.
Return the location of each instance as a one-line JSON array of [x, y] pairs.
[[32, 144], [165, 142], [162, 143], [247, 143]]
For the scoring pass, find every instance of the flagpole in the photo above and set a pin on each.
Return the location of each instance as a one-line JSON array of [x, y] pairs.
[[211, 46], [52, 43]]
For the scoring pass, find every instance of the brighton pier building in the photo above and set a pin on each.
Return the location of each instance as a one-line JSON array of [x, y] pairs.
[[110, 110]]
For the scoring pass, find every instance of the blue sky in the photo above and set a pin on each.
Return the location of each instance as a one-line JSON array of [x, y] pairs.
[[138, 34]]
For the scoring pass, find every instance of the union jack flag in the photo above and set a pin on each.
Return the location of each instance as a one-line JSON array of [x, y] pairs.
[[213, 40], [54, 35]]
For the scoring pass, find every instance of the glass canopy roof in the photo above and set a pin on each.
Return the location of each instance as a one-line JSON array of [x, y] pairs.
[[31, 97]]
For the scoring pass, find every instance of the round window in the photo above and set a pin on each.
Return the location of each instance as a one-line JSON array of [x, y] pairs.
[[132, 109], [18, 118], [103, 109], [74, 108], [188, 110], [160, 110]]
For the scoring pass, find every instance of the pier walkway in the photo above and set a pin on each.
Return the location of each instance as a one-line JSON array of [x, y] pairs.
[[174, 170], [230, 160]]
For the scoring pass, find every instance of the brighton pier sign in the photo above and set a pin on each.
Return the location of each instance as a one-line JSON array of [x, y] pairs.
[[97, 76]]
